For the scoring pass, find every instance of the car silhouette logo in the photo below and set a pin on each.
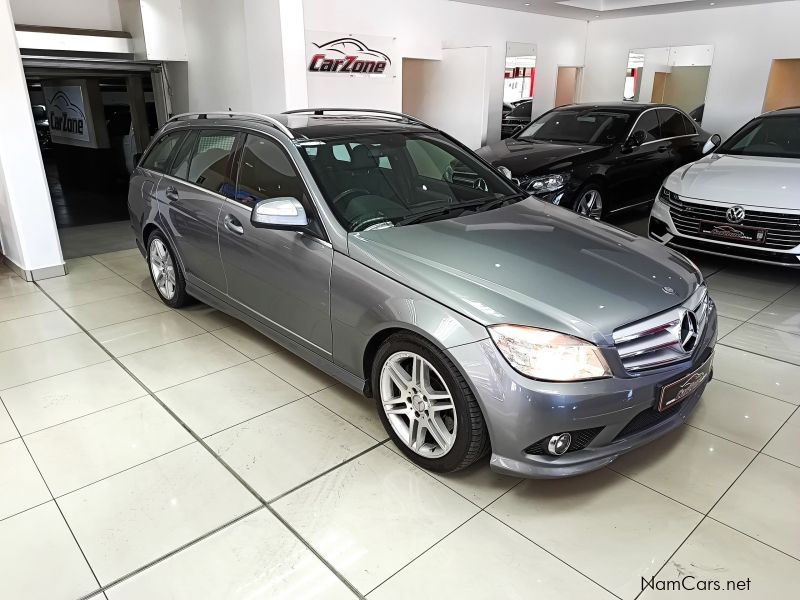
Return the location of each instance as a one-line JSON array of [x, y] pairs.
[[668, 290], [735, 214], [688, 331]]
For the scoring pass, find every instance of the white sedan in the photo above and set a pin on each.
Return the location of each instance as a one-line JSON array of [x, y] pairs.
[[743, 200]]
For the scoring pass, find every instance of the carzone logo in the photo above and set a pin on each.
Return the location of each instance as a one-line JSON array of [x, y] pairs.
[[66, 116], [348, 55]]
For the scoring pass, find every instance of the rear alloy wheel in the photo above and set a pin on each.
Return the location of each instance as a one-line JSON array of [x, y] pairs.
[[426, 405], [165, 272], [590, 202]]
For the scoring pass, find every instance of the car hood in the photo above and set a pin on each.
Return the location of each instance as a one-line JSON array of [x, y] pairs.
[[747, 180], [535, 264], [524, 157]]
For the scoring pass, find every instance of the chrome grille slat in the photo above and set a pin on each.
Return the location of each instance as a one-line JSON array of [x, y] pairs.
[[656, 341], [782, 229]]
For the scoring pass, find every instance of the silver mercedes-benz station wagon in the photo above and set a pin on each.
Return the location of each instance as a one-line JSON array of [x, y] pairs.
[[390, 256]]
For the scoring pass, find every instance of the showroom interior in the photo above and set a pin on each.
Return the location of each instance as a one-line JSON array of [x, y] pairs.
[[153, 449]]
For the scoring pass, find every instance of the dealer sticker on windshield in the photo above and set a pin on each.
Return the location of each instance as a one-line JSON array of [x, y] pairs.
[[683, 388]]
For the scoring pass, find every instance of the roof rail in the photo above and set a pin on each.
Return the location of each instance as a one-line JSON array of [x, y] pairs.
[[370, 111], [205, 115]]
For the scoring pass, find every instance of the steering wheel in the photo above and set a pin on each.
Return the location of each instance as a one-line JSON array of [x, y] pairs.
[[348, 193], [362, 223]]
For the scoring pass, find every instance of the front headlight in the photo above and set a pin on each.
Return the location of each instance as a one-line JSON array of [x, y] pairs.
[[547, 355], [546, 183]]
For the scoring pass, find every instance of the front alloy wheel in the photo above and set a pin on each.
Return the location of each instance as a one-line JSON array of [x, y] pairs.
[[418, 404], [590, 204], [426, 405]]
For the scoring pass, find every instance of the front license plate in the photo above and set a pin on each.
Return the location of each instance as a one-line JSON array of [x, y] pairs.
[[734, 233], [678, 391]]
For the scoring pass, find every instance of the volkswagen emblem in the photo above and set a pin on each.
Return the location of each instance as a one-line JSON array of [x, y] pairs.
[[668, 290], [688, 331], [735, 214]]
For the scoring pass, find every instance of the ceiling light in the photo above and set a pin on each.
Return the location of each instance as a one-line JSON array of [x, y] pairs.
[[527, 4], [711, 3]]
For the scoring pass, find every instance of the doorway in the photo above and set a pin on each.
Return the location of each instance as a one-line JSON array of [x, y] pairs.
[[567, 85], [93, 119], [783, 85]]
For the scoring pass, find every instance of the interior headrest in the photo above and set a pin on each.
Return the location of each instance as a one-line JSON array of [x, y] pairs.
[[363, 158]]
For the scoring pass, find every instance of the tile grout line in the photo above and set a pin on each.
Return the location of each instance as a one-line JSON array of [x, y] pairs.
[[222, 462], [171, 553], [482, 509], [707, 514], [53, 500]]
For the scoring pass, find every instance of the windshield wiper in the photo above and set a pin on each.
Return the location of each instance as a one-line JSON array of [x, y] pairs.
[[480, 205], [498, 202]]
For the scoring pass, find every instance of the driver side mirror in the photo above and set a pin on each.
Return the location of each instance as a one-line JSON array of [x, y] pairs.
[[279, 213], [712, 144], [636, 139]]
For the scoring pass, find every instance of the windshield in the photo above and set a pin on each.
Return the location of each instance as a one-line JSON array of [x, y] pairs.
[[770, 136], [523, 109], [586, 126], [390, 179]]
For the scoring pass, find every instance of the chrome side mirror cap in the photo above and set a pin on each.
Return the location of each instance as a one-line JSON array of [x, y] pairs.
[[712, 144], [279, 213]]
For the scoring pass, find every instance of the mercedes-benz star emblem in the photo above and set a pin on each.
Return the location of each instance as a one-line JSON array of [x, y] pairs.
[[688, 331], [735, 214]]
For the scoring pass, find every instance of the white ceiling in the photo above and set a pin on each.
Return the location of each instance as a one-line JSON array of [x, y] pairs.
[[589, 10]]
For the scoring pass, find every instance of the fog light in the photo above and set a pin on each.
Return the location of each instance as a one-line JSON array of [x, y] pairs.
[[558, 444]]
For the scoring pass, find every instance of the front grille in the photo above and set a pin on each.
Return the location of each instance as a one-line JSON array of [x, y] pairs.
[[647, 419], [782, 228], [580, 439], [745, 252], [662, 339]]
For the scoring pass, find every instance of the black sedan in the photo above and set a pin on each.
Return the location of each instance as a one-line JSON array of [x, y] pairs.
[[518, 116], [600, 159]]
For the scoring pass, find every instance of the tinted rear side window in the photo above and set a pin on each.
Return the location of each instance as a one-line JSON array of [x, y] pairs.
[[673, 124], [158, 158], [210, 157]]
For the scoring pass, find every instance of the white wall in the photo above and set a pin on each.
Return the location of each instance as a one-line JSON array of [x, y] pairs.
[[82, 14], [27, 226], [424, 27], [745, 41], [432, 98], [246, 55]]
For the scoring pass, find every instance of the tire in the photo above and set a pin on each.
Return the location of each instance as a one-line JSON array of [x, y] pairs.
[[584, 193], [159, 252], [471, 438]]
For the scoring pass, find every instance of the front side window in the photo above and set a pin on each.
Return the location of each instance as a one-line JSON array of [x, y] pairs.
[[578, 126], [649, 124], [394, 179], [777, 136], [265, 171], [158, 157]]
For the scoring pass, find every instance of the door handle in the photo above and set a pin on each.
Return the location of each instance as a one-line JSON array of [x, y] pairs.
[[171, 193], [662, 148], [233, 225]]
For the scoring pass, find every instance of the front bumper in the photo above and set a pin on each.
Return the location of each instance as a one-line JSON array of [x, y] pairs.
[[619, 412], [661, 228]]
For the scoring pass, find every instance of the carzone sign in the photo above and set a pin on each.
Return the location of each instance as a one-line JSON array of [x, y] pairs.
[[66, 113], [337, 55]]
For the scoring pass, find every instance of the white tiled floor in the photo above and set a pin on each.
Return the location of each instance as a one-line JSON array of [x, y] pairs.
[[154, 454]]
